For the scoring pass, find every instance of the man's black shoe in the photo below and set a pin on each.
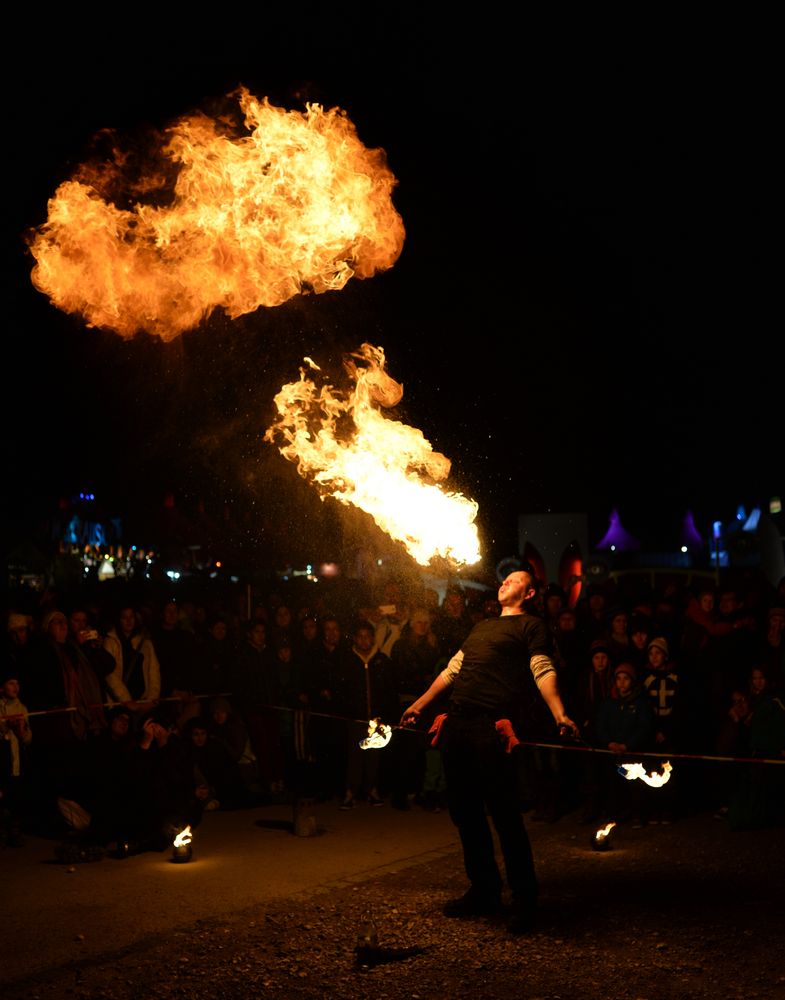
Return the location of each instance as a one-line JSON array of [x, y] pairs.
[[472, 904]]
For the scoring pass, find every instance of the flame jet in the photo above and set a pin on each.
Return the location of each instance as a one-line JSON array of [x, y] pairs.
[[344, 445], [220, 214]]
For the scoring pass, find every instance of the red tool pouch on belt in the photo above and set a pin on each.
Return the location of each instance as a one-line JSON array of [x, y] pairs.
[[436, 729], [507, 734]]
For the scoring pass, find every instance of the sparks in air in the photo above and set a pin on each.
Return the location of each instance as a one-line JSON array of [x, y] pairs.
[[350, 450]]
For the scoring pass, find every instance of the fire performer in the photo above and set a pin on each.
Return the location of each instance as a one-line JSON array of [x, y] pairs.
[[502, 676]]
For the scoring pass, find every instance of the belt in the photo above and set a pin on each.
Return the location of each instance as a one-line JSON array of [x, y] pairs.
[[466, 710]]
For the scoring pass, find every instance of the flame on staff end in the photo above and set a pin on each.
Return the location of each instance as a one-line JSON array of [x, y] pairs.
[[655, 780], [378, 735], [238, 212], [183, 838], [373, 462]]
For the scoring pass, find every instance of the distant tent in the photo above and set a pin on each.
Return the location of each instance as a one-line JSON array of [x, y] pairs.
[[617, 537], [690, 536]]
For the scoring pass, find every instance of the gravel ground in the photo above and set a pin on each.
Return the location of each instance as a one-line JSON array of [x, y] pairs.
[[690, 910]]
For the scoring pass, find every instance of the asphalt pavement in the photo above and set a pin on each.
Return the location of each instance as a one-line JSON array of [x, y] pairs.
[[56, 913]]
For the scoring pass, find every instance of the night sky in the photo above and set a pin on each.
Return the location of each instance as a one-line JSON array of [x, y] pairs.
[[583, 316]]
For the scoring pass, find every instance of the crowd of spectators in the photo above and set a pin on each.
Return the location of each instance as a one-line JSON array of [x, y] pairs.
[[121, 724]]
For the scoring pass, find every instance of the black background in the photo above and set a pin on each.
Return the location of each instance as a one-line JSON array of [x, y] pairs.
[[584, 316]]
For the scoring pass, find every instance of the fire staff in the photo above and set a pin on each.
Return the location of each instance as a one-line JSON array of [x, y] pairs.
[[503, 676]]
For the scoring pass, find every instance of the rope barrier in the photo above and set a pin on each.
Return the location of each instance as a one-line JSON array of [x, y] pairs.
[[657, 753], [581, 746]]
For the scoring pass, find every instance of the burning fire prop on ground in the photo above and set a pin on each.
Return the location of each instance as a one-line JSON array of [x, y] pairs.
[[378, 735], [345, 446], [602, 838], [655, 780], [233, 214], [181, 845]]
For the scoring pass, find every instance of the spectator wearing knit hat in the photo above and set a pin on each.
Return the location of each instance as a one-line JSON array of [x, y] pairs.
[[625, 725], [18, 651], [625, 722], [663, 686]]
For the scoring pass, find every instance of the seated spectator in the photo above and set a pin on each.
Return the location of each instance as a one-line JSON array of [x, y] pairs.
[[174, 796], [214, 766], [227, 726], [115, 796]]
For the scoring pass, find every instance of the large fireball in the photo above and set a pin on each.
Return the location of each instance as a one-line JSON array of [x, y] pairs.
[[235, 212]]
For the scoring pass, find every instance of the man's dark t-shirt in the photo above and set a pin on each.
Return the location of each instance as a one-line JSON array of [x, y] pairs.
[[495, 672]]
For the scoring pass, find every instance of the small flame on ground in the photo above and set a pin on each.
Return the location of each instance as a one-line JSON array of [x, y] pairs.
[[183, 838], [245, 210], [655, 780], [373, 462], [378, 735], [603, 833]]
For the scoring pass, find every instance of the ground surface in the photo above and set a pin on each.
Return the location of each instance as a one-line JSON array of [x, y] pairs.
[[690, 910]]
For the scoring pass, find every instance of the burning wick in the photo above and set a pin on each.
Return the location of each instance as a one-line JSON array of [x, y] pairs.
[[601, 840], [655, 780], [378, 735], [181, 845]]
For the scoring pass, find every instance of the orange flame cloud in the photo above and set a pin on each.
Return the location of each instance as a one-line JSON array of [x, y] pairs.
[[348, 449], [231, 216]]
